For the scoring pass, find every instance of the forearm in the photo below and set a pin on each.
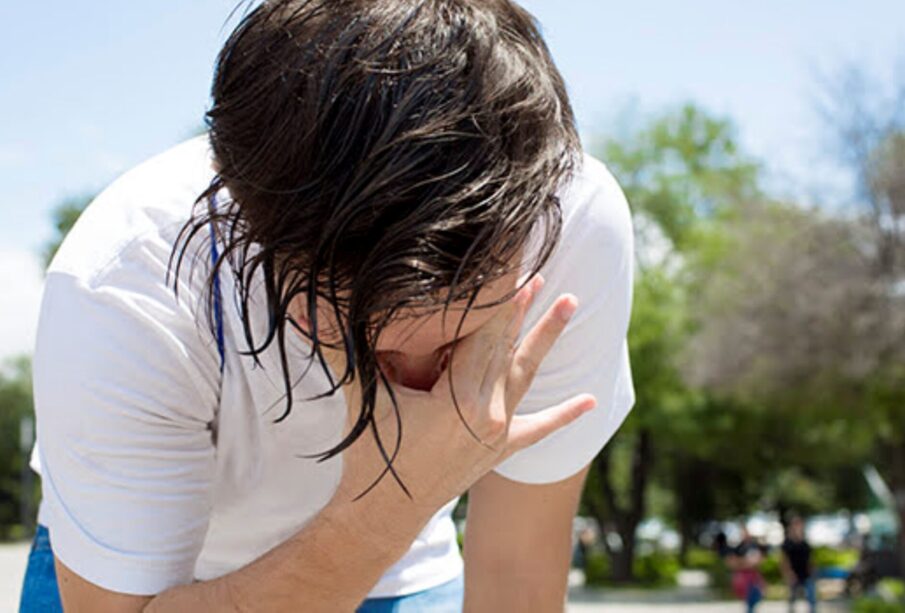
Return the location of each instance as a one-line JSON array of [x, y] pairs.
[[330, 565], [786, 570], [518, 544], [533, 586]]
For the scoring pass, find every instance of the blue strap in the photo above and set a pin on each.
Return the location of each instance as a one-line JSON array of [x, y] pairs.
[[218, 308]]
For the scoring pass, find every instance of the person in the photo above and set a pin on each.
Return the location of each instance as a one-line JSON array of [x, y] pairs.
[[270, 359], [796, 565], [744, 562], [721, 545]]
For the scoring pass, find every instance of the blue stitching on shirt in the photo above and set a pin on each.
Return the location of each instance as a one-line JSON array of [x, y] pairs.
[[218, 308]]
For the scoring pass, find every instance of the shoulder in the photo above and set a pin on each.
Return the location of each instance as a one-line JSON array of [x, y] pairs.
[[593, 202], [137, 217], [595, 253], [108, 281]]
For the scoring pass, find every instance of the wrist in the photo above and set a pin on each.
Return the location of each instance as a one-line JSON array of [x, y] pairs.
[[384, 520]]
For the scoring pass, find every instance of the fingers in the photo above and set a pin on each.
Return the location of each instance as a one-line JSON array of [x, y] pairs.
[[525, 430], [502, 350], [472, 356], [535, 346], [523, 302]]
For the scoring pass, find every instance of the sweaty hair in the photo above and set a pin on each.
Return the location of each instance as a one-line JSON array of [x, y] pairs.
[[381, 155]]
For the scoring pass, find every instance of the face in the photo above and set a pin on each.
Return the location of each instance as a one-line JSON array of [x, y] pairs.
[[413, 350]]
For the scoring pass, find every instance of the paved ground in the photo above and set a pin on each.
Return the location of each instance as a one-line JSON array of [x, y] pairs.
[[12, 568], [682, 600], [14, 557], [697, 607]]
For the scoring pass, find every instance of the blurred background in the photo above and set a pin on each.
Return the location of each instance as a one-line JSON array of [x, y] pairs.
[[762, 149]]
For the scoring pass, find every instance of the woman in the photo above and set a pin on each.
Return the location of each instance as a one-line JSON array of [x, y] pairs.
[[382, 190]]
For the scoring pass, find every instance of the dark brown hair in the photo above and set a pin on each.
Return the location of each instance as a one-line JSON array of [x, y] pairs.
[[381, 154]]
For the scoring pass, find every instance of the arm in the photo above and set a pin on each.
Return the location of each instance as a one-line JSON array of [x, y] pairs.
[[518, 544], [330, 565], [785, 568]]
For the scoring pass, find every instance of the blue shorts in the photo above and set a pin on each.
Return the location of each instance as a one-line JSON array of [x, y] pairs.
[[40, 593]]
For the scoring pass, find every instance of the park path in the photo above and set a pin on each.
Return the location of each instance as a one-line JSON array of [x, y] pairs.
[[694, 607], [12, 568], [13, 558], [692, 597]]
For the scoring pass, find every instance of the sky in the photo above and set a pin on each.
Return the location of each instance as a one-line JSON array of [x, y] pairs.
[[90, 88]]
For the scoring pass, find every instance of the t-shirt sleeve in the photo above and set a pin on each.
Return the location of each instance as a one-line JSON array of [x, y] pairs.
[[593, 261], [125, 395]]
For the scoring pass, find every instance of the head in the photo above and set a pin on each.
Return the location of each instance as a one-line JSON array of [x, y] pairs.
[[386, 164], [796, 528], [414, 347]]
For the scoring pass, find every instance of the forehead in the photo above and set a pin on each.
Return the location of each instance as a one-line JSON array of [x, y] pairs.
[[426, 333]]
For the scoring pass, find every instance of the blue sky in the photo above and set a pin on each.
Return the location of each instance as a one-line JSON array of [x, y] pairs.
[[90, 88]]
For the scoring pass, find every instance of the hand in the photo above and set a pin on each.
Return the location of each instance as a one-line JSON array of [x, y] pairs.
[[439, 458]]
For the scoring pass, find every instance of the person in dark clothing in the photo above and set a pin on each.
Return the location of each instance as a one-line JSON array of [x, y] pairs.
[[721, 545], [796, 565]]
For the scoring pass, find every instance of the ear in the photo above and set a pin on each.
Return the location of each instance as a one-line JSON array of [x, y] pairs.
[[300, 317], [303, 322], [326, 329]]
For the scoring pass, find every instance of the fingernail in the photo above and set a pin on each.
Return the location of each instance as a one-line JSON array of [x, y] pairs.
[[567, 308]]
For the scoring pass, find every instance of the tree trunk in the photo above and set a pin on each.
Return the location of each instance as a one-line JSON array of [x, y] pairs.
[[897, 485], [900, 507], [607, 510], [686, 538], [622, 562], [693, 485]]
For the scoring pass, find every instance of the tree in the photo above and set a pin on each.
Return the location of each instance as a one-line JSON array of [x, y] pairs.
[[18, 493], [868, 122], [795, 318], [809, 312], [64, 217], [680, 171], [617, 487]]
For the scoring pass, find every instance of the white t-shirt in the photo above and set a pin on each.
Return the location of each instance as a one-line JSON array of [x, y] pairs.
[[156, 470]]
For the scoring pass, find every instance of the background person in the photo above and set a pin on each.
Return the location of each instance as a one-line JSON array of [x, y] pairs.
[[744, 561], [797, 568]]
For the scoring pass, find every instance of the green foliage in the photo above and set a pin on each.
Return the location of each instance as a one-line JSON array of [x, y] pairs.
[[827, 557], [680, 168], [681, 172], [655, 569], [874, 604], [597, 569], [658, 331], [707, 560], [699, 558], [892, 588], [64, 217], [15, 406], [792, 488], [770, 567], [752, 390]]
